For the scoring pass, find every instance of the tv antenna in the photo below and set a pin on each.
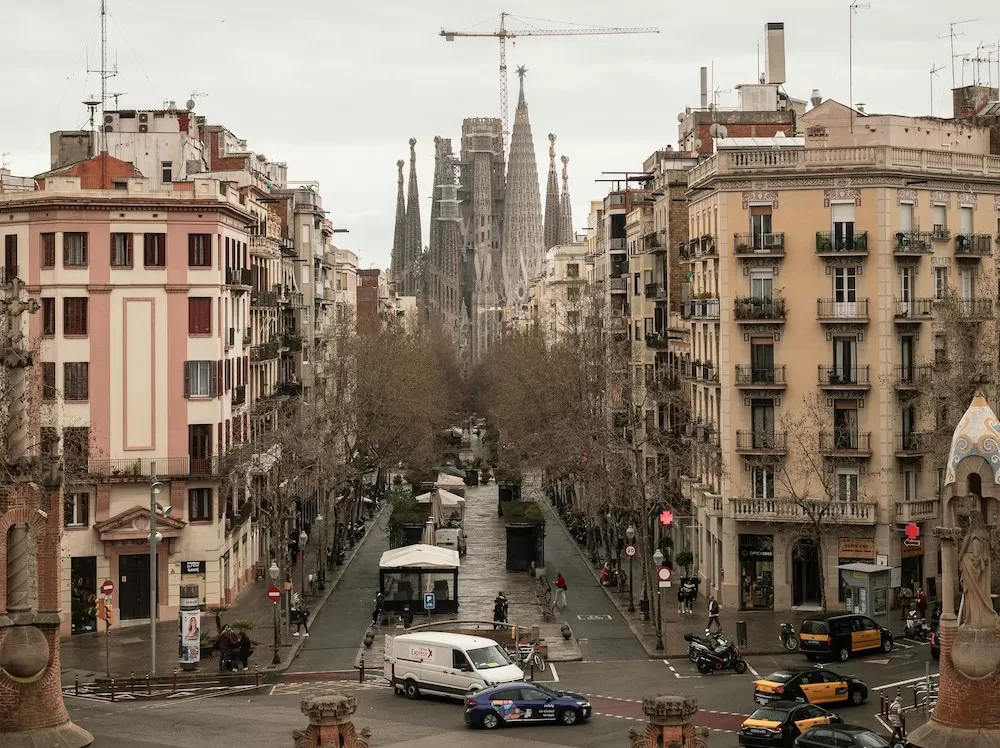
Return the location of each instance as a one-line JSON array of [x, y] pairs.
[[934, 72], [115, 97], [192, 99], [853, 9], [105, 74], [718, 92], [92, 105], [951, 36], [978, 60]]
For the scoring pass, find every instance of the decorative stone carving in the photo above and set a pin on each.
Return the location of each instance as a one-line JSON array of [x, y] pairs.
[[969, 199], [330, 724], [669, 724], [906, 196], [996, 202], [977, 434], [940, 196], [841, 194], [760, 196], [974, 563], [832, 261]]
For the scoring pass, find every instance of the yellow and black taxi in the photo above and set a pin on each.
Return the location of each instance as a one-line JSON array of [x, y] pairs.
[[841, 635], [779, 723], [814, 685]]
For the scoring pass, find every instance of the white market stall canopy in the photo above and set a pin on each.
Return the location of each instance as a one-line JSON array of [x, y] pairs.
[[446, 479], [447, 498], [419, 556]]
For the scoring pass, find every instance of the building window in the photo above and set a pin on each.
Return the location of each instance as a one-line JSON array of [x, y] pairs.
[[75, 249], [10, 257], [573, 294], [76, 510], [847, 485], [48, 315], [167, 171], [909, 485], [572, 271], [200, 250], [200, 505], [940, 220], [155, 250], [940, 283], [940, 349], [760, 226], [75, 315], [573, 320], [76, 448], [48, 380], [200, 379], [76, 380], [121, 250], [199, 316], [763, 483], [762, 284], [48, 250]]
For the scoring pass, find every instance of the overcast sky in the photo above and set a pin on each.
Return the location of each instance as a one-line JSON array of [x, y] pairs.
[[336, 89]]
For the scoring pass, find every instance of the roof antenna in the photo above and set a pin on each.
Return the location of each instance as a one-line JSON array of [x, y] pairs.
[[951, 36]]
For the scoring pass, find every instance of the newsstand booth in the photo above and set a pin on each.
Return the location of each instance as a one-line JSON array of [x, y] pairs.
[[866, 590], [406, 574]]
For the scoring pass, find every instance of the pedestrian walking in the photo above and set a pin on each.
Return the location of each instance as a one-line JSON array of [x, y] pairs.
[[682, 596], [897, 719], [301, 617], [379, 607], [500, 606], [921, 600], [407, 617], [227, 643], [560, 599], [714, 609], [244, 650]]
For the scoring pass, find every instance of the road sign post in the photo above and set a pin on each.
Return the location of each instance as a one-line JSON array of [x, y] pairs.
[[104, 611], [429, 602]]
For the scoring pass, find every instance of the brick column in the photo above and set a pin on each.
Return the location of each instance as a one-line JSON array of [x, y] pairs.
[[330, 724], [669, 724]]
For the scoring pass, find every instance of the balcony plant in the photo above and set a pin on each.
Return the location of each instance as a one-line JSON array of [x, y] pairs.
[[742, 247]]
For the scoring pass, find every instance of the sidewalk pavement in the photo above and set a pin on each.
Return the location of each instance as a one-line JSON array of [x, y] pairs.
[[762, 625], [482, 574], [128, 648]]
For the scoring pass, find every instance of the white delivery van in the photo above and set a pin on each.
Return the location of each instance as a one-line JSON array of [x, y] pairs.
[[446, 664]]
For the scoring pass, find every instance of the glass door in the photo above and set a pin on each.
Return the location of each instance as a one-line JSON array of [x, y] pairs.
[[904, 306], [845, 292]]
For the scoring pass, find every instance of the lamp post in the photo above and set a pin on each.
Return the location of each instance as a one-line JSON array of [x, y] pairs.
[[274, 572], [320, 561], [303, 541], [658, 560], [630, 534], [155, 487]]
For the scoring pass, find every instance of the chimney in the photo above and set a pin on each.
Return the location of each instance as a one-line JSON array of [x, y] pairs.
[[704, 88], [969, 100], [774, 52]]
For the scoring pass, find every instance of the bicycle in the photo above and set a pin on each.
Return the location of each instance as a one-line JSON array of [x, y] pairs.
[[527, 654]]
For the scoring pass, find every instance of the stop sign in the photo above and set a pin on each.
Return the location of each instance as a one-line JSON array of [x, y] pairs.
[[107, 588], [273, 594]]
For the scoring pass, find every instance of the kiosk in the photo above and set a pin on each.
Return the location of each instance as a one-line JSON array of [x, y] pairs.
[[867, 590]]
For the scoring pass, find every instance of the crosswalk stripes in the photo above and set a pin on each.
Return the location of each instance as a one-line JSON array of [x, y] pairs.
[[317, 688]]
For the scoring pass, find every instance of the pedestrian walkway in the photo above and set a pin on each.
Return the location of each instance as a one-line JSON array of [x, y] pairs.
[[762, 626], [82, 657]]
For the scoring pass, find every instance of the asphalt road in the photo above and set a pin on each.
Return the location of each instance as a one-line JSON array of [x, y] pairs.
[[615, 689]]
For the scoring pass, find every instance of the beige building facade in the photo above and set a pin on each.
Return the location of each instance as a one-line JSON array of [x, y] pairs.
[[818, 275]]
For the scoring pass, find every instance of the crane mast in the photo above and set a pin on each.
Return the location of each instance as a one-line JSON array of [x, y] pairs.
[[503, 34]]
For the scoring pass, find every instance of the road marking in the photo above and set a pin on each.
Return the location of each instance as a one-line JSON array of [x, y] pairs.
[[877, 662], [752, 670], [907, 682], [555, 675], [594, 617], [672, 669]]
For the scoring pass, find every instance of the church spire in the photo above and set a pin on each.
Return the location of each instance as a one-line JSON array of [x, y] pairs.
[[413, 242], [399, 234], [551, 228], [566, 233], [523, 236]]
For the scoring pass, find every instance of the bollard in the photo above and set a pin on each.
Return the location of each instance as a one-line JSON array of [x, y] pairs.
[[112, 689], [149, 689], [256, 676], [76, 685], [131, 679], [173, 686], [532, 676], [882, 709], [361, 670]]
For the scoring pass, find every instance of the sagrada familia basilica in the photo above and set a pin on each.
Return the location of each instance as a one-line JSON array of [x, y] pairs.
[[488, 233]]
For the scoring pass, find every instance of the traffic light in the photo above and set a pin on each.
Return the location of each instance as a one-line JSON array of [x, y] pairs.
[[103, 611]]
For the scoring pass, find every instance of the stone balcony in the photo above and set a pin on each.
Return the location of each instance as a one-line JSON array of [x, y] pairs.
[[787, 510], [917, 511]]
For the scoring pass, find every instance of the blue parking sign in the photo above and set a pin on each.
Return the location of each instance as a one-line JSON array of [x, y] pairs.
[[428, 601]]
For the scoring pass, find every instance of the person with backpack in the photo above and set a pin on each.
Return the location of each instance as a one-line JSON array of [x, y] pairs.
[[714, 609]]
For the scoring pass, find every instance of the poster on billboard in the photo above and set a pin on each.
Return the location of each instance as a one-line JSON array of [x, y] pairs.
[[190, 627]]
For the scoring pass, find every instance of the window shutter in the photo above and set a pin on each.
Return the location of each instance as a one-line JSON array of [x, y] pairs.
[[83, 316], [65, 250], [213, 383], [219, 384], [191, 247], [83, 509], [187, 379], [83, 248], [85, 380]]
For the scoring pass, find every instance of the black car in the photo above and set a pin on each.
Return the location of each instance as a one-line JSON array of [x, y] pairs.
[[779, 723], [841, 736], [936, 643]]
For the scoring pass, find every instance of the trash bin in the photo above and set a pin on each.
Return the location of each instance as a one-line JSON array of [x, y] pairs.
[[741, 634]]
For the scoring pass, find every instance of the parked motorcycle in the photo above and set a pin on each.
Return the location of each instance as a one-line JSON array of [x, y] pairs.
[[722, 658], [613, 577], [916, 627], [787, 636], [707, 643]]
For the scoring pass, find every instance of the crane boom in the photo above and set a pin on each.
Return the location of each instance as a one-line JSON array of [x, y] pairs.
[[503, 34]]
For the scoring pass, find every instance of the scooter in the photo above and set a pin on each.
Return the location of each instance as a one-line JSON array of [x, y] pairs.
[[917, 628], [708, 643], [787, 637], [723, 658]]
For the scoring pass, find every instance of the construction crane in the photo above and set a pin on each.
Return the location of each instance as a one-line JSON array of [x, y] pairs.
[[504, 33]]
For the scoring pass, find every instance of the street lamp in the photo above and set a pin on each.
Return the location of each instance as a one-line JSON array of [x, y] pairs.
[[155, 488], [630, 534], [303, 541], [320, 561], [658, 560], [274, 572]]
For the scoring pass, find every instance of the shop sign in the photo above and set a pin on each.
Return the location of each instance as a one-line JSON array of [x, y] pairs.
[[757, 546], [192, 567], [857, 548]]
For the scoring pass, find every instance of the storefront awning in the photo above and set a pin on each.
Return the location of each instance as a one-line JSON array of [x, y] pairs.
[[419, 556]]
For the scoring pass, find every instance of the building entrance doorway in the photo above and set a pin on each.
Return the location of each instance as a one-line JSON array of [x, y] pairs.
[[133, 586], [805, 574]]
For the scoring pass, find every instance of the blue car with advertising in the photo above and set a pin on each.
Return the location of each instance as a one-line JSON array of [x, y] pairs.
[[524, 704]]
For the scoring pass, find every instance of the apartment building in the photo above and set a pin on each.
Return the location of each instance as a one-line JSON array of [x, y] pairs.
[[558, 297], [138, 370], [819, 265]]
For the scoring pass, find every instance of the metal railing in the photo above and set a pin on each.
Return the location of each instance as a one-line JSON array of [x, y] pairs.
[[843, 376], [845, 441], [758, 308], [761, 441], [765, 375], [239, 395], [616, 245], [837, 310], [829, 241], [288, 388], [239, 277], [759, 243], [701, 308], [914, 308], [914, 441], [263, 352], [974, 307], [913, 375], [139, 468], [617, 285], [656, 290], [913, 243], [974, 245], [263, 298]]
